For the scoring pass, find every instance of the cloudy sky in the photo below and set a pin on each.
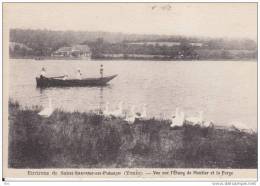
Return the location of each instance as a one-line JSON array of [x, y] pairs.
[[236, 20]]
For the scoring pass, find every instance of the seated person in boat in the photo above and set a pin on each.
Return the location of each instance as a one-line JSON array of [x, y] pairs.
[[101, 71], [79, 75], [65, 77], [43, 73]]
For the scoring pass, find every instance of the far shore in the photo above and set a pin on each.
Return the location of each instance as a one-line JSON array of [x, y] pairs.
[[42, 58], [91, 140]]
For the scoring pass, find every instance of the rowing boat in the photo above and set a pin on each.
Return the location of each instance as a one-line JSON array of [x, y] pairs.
[[60, 82]]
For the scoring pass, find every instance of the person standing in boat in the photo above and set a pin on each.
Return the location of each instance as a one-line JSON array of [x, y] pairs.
[[43, 73], [101, 70], [79, 75]]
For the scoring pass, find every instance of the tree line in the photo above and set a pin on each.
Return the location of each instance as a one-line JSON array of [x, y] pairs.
[[45, 42]]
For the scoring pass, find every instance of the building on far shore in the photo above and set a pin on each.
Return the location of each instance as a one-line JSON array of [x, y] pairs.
[[75, 51]]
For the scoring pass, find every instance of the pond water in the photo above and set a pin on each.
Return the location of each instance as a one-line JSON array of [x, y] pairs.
[[224, 90]]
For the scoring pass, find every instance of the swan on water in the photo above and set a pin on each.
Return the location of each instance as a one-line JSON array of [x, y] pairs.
[[46, 112], [196, 119], [178, 118]]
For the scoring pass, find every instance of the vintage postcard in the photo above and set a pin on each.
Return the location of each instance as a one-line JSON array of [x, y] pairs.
[[130, 91]]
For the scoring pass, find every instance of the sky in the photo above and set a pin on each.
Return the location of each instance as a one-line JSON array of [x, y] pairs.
[[232, 20]]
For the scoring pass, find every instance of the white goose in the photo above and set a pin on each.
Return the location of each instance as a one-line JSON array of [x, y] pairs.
[[119, 111], [238, 124], [241, 126], [195, 120], [132, 116], [207, 123], [178, 119], [144, 111], [106, 112], [46, 112]]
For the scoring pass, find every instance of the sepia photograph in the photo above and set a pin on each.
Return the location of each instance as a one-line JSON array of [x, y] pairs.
[[130, 90]]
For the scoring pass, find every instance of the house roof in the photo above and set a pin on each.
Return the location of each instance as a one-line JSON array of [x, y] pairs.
[[64, 49], [80, 48]]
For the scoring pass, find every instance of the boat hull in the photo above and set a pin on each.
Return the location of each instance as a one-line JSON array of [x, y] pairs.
[[57, 82]]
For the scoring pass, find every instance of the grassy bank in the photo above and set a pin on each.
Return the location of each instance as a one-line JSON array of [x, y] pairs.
[[87, 140]]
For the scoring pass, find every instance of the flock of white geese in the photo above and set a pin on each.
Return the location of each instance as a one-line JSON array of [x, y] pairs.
[[177, 119]]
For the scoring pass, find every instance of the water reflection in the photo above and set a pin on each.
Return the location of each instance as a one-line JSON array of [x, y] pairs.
[[63, 96], [101, 101], [43, 97]]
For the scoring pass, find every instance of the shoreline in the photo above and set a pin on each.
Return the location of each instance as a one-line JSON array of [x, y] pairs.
[[89, 140], [131, 59]]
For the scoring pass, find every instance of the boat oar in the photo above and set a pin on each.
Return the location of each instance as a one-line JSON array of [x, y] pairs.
[[57, 77]]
